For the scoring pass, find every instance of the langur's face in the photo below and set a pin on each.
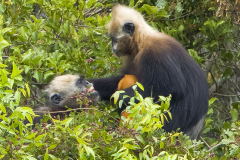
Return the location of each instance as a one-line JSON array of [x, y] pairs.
[[63, 89], [122, 39]]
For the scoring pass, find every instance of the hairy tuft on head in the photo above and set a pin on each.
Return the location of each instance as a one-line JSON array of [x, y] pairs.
[[133, 41], [122, 14], [61, 83]]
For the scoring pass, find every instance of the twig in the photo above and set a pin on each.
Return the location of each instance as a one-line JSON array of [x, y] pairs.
[[205, 142], [76, 110], [35, 98], [210, 148], [213, 79], [229, 50], [224, 95], [85, 26], [214, 146], [220, 110], [96, 12], [37, 83]]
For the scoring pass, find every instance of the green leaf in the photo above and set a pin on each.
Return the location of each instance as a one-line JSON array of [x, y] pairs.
[[174, 157], [179, 7], [181, 28], [115, 96], [2, 108], [211, 101], [3, 126], [52, 146], [90, 3], [140, 139], [234, 114], [229, 56], [4, 77], [140, 86], [212, 9], [17, 96], [161, 145], [161, 13], [210, 23], [3, 44], [133, 113], [162, 98], [36, 60], [131, 4], [66, 30], [20, 127], [149, 9], [46, 155], [226, 141], [28, 55], [161, 4], [227, 73], [53, 157], [89, 150], [210, 111], [213, 43], [29, 118], [120, 103], [98, 5], [27, 68], [39, 137], [25, 110], [37, 75], [15, 71], [2, 65], [23, 92], [226, 125], [34, 18], [2, 139], [28, 90], [31, 136], [34, 36], [67, 121], [220, 23], [52, 61], [128, 140], [48, 73]]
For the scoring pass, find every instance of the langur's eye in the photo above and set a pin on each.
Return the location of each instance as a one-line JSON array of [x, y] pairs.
[[87, 82]]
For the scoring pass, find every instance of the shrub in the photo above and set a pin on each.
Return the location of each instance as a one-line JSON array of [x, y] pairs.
[[41, 39]]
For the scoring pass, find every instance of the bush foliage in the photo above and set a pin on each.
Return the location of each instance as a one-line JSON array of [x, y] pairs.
[[41, 39]]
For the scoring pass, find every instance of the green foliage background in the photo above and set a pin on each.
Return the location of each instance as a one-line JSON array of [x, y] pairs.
[[42, 39]]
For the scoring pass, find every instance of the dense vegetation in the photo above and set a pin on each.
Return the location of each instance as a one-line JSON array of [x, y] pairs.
[[42, 39]]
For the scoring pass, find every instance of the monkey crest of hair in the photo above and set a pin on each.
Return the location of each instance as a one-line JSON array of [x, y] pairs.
[[66, 83], [162, 65]]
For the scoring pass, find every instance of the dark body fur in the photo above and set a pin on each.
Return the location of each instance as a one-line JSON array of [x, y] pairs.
[[163, 67]]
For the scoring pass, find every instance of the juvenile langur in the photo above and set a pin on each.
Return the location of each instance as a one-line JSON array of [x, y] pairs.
[[162, 65], [62, 92]]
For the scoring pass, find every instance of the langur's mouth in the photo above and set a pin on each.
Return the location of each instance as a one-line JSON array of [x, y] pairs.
[[91, 89]]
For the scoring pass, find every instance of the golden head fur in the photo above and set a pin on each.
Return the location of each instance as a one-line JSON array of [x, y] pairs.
[[144, 36], [122, 14], [66, 83]]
